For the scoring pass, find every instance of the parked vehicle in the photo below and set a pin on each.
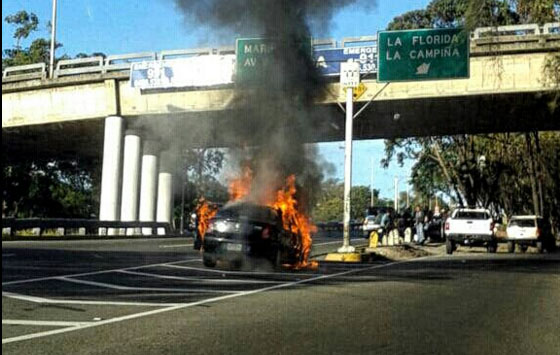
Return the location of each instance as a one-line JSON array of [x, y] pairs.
[[371, 223], [433, 229], [470, 227], [243, 231], [528, 231]]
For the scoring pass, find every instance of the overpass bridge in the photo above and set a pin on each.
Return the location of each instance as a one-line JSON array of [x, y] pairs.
[[89, 105]]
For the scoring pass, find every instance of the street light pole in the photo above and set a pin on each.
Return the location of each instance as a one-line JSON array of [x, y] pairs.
[[349, 78], [407, 197], [396, 206], [53, 39], [371, 184], [346, 247]]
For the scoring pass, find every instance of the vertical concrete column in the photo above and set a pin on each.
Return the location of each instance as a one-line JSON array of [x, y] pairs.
[[164, 211], [111, 170], [148, 184], [131, 178]]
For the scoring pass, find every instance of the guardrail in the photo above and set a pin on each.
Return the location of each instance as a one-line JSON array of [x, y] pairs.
[[122, 62], [25, 72], [63, 226]]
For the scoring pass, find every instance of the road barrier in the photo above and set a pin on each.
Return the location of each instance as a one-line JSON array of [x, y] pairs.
[[122, 62]]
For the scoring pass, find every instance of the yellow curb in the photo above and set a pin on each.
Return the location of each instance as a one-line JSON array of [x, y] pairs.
[[344, 257]]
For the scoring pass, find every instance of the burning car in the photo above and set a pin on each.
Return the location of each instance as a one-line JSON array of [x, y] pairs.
[[243, 230]]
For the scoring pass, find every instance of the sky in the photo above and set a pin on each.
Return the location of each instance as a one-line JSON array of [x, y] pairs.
[[120, 26]]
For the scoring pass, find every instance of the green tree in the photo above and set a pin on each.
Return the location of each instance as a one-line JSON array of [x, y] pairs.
[[25, 24], [330, 204]]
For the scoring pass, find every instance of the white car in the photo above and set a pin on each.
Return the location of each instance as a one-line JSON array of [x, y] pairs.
[[371, 223], [528, 231], [470, 227]]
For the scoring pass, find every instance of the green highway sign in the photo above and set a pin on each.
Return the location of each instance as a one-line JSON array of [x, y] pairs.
[[256, 58], [422, 54]]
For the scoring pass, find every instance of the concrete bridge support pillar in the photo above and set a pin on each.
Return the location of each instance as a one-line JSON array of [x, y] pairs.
[[165, 191], [111, 170], [131, 178], [148, 184]]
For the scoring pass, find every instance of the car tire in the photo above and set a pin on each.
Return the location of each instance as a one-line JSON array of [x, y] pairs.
[[540, 246], [492, 248], [449, 247], [523, 248], [511, 247], [208, 261]]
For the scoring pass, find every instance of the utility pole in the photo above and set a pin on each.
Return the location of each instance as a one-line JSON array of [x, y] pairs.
[[371, 184], [182, 225], [396, 203], [53, 39]]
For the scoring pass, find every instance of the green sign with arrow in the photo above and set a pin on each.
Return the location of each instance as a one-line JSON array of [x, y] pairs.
[[429, 54]]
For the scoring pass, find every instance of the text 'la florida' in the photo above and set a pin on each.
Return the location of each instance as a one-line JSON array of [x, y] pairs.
[[416, 50]]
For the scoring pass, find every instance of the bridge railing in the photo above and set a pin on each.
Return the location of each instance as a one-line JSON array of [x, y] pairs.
[[24, 72], [37, 227], [122, 62]]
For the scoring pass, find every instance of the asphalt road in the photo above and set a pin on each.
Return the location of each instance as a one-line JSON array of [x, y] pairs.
[[155, 297]]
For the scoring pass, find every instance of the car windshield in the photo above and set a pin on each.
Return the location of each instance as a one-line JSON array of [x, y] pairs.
[[471, 215], [527, 223], [250, 211]]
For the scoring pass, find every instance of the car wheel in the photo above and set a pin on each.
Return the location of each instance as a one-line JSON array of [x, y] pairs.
[[208, 261], [449, 246], [511, 247], [523, 248], [540, 246], [492, 248]]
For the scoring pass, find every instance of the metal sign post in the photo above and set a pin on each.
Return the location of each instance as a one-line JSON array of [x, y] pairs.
[[349, 79]]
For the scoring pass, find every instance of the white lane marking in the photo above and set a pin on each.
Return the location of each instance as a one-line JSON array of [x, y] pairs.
[[228, 272], [85, 302], [38, 279], [43, 323], [158, 289], [8, 255], [198, 279], [197, 303], [176, 245]]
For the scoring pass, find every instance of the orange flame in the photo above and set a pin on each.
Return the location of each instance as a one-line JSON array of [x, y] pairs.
[[295, 221], [204, 212]]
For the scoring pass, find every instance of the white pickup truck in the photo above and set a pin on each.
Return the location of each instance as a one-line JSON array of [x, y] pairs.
[[470, 227]]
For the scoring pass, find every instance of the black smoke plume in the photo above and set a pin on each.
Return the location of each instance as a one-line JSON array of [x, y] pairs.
[[278, 114]]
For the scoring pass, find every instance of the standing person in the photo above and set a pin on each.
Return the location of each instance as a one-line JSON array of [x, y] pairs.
[[419, 224]]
